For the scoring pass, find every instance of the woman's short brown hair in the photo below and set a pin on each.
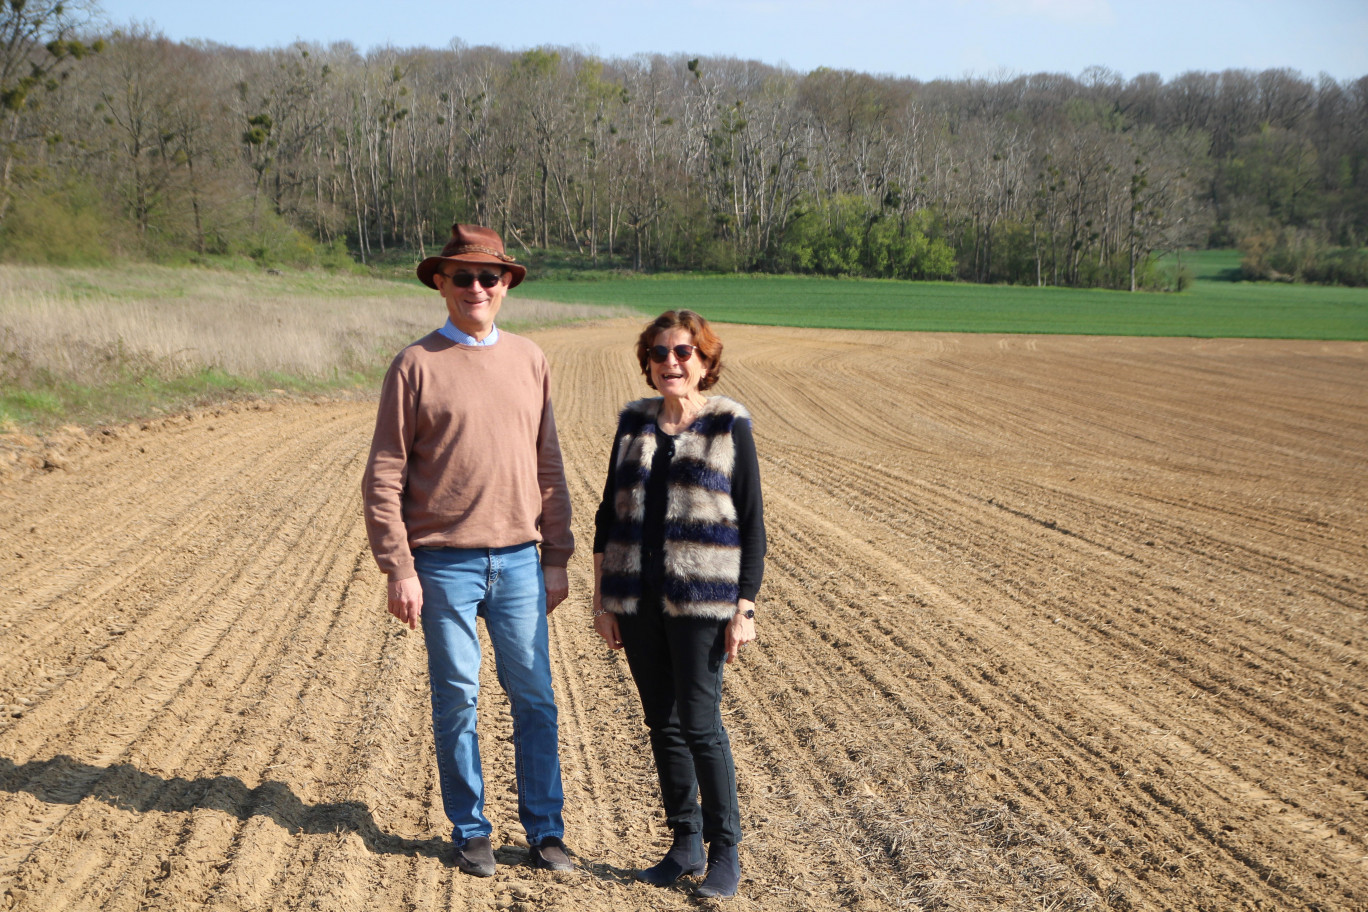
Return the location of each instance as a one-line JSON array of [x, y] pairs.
[[706, 343]]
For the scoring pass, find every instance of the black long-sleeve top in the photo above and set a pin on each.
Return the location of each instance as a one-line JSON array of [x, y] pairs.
[[745, 491]]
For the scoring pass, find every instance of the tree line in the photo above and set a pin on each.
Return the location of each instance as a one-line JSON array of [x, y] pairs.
[[127, 143]]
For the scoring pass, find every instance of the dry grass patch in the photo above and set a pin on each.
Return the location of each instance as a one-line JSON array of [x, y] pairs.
[[71, 339], [75, 322]]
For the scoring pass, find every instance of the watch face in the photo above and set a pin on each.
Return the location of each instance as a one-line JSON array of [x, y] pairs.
[[750, 612]]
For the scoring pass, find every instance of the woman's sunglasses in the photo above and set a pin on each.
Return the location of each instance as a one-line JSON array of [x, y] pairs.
[[659, 353], [466, 279]]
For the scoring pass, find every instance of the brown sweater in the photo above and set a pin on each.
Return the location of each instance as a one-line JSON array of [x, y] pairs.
[[465, 454]]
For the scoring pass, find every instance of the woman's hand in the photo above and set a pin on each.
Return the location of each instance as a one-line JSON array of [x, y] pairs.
[[405, 600], [740, 629], [605, 622], [606, 626]]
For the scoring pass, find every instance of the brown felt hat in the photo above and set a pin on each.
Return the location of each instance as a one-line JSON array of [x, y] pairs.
[[472, 244]]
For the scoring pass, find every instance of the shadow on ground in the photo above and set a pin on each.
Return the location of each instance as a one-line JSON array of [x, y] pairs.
[[66, 780]]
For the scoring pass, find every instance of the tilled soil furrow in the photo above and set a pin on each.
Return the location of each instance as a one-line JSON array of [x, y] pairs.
[[1041, 591], [291, 802], [880, 646], [1196, 669], [369, 803], [187, 616], [1084, 518], [895, 702], [1058, 623], [1034, 789], [156, 496], [166, 742], [1077, 737], [130, 621]]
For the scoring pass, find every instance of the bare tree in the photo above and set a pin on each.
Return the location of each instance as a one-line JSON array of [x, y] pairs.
[[141, 90], [38, 42]]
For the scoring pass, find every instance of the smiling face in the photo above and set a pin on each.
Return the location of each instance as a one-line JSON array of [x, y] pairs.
[[674, 378], [472, 309]]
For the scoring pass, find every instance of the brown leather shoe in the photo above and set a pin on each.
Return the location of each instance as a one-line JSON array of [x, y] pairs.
[[476, 857], [551, 855]]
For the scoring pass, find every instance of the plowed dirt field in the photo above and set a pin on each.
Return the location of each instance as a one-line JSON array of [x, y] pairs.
[[1048, 623]]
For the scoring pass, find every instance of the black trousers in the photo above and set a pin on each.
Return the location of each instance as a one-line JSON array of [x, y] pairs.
[[677, 665]]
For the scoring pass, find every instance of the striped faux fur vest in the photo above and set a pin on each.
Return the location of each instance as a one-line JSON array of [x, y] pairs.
[[702, 541]]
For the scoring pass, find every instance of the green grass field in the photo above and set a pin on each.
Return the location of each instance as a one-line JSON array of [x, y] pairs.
[[1214, 307]]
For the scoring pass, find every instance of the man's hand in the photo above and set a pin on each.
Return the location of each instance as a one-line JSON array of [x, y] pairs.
[[405, 598], [557, 586]]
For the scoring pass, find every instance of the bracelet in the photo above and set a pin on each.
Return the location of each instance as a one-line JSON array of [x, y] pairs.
[[600, 612]]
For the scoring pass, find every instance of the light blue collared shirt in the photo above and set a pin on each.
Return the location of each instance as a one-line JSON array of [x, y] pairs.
[[464, 338]]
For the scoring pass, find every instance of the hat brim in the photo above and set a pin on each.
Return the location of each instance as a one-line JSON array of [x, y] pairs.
[[429, 267]]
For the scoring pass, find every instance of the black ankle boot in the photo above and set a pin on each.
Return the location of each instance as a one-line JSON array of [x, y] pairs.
[[684, 859], [724, 872]]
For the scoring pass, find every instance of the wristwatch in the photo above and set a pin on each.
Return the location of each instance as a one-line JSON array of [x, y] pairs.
[[748, 613]]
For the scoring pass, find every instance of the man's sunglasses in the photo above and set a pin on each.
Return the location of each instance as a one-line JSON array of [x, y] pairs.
[[466, 279], [659, 353]]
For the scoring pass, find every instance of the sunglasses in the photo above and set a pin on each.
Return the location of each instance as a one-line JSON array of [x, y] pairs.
[[466, 279], [659, 353]]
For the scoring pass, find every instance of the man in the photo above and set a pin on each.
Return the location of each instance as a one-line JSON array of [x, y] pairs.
[[463, 482]]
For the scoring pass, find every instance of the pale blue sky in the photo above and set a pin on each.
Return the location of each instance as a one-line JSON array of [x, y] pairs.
[[926, 40]]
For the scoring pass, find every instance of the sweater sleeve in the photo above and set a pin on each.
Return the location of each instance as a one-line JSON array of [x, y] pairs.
[[558, 541], [382, 485], [750, 509], [603, 518]]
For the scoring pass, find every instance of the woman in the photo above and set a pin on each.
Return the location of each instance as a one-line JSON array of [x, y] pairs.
[[679, 550]]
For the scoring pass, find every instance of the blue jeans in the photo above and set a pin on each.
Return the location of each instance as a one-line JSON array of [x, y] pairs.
[[505, 587]]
